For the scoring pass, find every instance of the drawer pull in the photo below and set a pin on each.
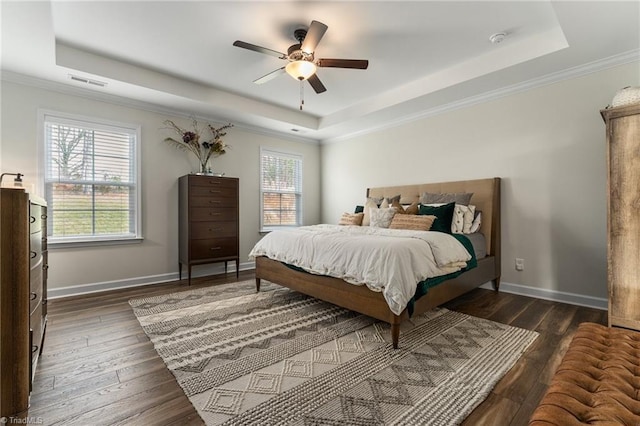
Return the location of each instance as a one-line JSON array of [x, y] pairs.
[[34, 296], [32, 219], [216, 248], [215, 192], [44, 217], [214, 182], [214, 202], [33, 254], [34, 349], [214, 214]]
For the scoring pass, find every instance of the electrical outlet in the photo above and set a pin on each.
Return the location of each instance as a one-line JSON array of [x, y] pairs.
[[519, 264]]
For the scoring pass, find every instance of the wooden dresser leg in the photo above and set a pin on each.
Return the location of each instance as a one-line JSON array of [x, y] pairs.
[[189, 267], [237, 268], [257, 285]]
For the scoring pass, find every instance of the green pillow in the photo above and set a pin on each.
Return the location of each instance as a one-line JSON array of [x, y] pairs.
[[359, 209], [443, 214]]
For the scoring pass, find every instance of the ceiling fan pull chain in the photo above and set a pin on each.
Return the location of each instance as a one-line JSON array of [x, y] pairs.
[[301, 94]]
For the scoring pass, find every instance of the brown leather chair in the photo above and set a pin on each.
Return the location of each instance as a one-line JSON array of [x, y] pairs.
[[597, 382]]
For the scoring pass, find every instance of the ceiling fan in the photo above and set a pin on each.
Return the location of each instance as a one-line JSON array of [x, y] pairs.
[[302, 63]]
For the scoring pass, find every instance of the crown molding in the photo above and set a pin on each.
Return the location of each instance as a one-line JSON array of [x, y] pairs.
[[555, 77], [81, 92]]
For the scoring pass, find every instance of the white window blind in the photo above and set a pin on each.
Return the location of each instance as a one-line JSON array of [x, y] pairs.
[[91, 180], [280, 189]]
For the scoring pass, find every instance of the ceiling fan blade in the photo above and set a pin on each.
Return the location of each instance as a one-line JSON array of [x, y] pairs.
[[259, 49], [314, 35], [361, 64], [317, 85], [270, 76]]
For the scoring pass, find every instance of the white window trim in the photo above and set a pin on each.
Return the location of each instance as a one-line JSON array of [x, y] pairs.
[[300, 216], [102, 240]]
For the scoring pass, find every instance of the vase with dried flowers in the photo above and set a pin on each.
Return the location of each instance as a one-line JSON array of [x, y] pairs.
[[203, 150]]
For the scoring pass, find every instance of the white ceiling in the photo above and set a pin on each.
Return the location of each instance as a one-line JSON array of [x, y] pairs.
[[423, 55]]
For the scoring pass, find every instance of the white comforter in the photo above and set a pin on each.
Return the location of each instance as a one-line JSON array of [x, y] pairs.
[[388, 260]]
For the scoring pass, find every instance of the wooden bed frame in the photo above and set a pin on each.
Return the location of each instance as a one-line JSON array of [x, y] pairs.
[[486, 198]]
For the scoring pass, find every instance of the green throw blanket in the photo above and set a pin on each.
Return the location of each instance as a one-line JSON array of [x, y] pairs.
[[424, 286]]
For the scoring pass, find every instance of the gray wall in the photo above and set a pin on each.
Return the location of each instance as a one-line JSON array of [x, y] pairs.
[[548, 145], [156, 258]]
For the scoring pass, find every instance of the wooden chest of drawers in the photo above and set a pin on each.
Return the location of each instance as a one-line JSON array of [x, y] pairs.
[[208, 220], [23, 287]]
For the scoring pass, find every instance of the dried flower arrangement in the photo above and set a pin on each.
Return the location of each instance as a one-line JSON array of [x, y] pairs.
[[190, 141]]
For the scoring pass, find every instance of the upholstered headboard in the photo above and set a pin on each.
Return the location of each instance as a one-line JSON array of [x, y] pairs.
[[486, 198]]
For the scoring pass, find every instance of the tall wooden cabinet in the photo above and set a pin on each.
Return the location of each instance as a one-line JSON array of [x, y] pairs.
[[208, 221], [23, 300], [623, 213]]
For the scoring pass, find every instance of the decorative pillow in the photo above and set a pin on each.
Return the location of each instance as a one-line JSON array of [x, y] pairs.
[[414, 222], [443, 213], [351, 219], [381, 218], [477, 221], [390, 200], [384, 204], [412, 209], [459, 198], [371, 204], [377, 200], [359, 209], [462, 219]]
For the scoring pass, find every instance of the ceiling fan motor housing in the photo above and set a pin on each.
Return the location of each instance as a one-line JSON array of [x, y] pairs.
[[295, 53]]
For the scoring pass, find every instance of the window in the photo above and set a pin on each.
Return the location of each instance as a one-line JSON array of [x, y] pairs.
[[91, 179], [280, 189]]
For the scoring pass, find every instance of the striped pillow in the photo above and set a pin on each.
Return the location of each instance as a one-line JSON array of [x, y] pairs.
[[351, 219], [413, 222]]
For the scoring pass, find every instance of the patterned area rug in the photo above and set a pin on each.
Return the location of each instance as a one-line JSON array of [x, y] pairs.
[[279, 357]]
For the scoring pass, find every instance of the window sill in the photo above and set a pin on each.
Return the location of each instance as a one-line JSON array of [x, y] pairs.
[[93, 242]]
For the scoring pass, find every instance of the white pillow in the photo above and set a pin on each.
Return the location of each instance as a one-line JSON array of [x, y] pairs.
[[475, 226], [381, 218], [462, 219], [371, 204]]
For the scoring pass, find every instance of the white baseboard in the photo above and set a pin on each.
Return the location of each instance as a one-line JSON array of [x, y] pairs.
[[206, 270], [201, 271], [556, 296]]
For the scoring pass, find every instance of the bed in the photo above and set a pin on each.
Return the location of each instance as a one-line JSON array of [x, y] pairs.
[[486, 198]]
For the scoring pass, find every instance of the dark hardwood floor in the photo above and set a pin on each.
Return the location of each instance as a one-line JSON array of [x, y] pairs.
[[99, 368]]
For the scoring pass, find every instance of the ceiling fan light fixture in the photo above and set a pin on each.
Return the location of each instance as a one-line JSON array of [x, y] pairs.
[[301, 70]]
